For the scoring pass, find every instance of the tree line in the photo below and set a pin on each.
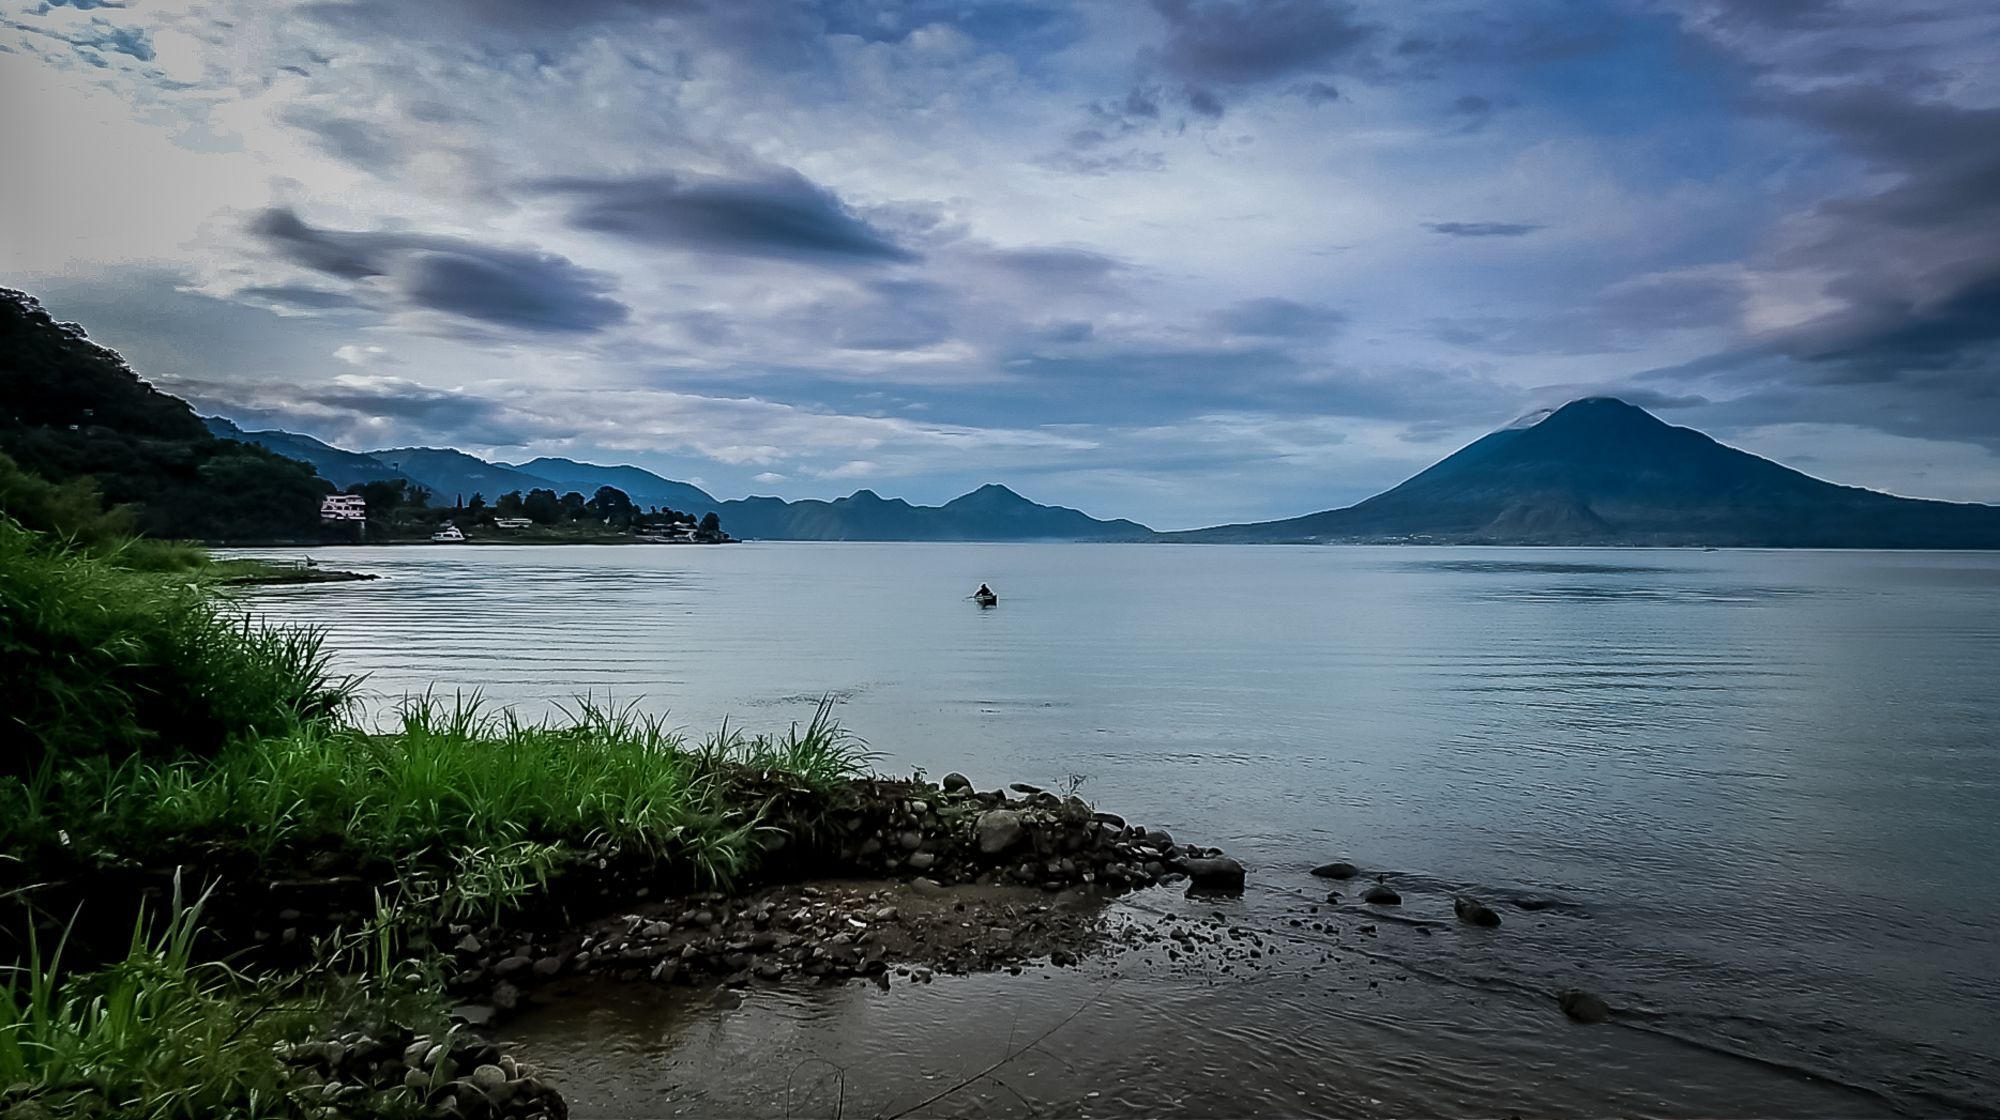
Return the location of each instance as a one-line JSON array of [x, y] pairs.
[[391, 500]]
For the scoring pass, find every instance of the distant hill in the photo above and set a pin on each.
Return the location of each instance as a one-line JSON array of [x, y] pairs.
[[73, 410], [452, 476], [1599, 471], [990, 513], [642, 486], [342, 468]]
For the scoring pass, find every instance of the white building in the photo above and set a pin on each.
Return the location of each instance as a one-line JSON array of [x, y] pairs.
[[342, 507], [513, 522]]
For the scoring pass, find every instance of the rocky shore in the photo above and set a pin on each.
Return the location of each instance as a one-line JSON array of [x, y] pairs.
[[927, 877], [889, 881]]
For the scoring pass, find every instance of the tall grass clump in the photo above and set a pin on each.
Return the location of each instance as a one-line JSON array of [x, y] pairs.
[[480, 808], [103, 660], [158, 1034]]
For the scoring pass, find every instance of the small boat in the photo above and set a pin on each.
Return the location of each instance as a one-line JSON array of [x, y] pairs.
[[448, 535], [987, 600]]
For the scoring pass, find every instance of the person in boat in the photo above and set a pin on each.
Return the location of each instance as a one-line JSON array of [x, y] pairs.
[[984, 592]]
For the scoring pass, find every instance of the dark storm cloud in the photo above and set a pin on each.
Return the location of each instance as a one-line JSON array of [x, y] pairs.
[[1245, 42], [1484, 229], [1278, 318], [778, 215], [532, 291], [1915, 265], [518, 288]]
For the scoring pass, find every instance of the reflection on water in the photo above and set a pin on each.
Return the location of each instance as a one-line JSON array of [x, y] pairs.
[[1762, 782]]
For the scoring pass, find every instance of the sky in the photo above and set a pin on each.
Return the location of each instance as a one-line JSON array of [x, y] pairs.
[[1184, 261]]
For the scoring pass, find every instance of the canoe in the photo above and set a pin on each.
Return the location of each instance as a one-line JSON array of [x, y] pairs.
[[987, 600]]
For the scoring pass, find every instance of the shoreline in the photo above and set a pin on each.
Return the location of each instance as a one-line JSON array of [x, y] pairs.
[[872, 878]]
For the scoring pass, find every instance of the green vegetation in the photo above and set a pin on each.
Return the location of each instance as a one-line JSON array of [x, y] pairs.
[[72, 411], [103, 660], [161, 1033], [150, 727], [480, 808]]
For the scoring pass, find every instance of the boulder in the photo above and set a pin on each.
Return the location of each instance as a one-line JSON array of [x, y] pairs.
[[1381, 894], [1473, 912], [1336, 870], [999, 830], [1024, 788], [922, 861], [955, 782], [1583, 1006], [1219, 873]]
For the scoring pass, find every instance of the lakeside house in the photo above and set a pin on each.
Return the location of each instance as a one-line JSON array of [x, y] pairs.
[[513, 522], [448, 535], [336, 508]]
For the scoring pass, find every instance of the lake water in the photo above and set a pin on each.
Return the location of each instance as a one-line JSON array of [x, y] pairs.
[[1761, 786]]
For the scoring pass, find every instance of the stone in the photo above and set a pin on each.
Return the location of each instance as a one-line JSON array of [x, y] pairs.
[[1218, 874], [655, 929], [1473, 912], [927, 887], [1160, 838], [922, 861], [999, 830], [1024, 788], [505, 996], [1583, 1006], [886, 914], [510, 965], [1381, 894], [919, 808], [469, 945], [488, 1079], [955, 782], [548, 966], [1336, 870], [911, 841]]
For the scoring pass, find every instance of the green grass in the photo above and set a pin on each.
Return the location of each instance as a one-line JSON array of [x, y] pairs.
[[478, 809], [104, 660], [157, 1035]]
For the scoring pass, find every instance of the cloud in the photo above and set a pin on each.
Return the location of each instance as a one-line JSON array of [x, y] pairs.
[[778, 214], [1271, 317], [1484, 229], [351, 139], [517, 288], [1245, 42]]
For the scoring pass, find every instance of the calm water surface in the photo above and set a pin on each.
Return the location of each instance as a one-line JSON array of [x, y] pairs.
[[1761, 785]]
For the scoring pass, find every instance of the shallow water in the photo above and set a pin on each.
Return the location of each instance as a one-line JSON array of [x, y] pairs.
[[1761, 783]]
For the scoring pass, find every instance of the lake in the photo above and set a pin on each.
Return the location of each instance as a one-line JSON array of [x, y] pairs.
[[1760, 788]]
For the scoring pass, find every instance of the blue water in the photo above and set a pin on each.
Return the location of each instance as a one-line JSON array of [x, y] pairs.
[[1762, 784]]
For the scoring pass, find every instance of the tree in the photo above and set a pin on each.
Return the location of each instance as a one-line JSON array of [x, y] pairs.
[[711, 525], [477, 503], [613, 506], [543, 506], [572, 506], [510, 505]]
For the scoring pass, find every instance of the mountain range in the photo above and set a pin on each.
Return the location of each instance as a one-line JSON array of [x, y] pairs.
[[989, 513], [1597, 471]]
